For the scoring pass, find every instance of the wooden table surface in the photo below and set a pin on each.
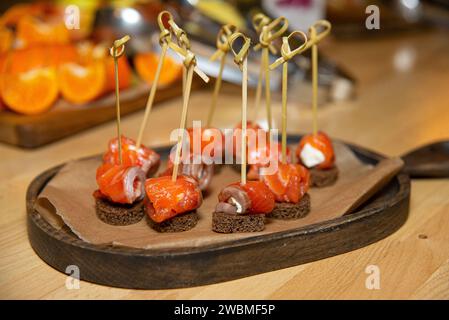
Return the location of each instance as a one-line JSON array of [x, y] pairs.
[[402, 102]]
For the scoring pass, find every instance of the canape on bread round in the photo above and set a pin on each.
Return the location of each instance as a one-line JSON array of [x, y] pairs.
[[250, 127], [171, 205], [257, 147], [315, 151], [145, 158], [118, 200], [289, 185], [195, 166], [211, 141], [242, 207], [262, 155]]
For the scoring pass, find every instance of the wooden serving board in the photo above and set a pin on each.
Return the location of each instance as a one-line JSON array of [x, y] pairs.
[[375, 219], [65, 119]]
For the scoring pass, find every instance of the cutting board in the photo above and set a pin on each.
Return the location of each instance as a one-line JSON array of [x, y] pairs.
[[65, 119]]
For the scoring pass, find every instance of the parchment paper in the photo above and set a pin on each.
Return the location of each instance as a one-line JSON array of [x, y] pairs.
[[67, 199]]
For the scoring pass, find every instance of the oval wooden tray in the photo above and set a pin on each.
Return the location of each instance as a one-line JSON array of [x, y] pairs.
[[125, 267]]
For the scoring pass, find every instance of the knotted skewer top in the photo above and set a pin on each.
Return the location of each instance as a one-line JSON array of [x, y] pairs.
[[259, 21], [269, 32], [182, 47], [286, 52], [314, 36], [165, 35], [223, 41], [241, 55], [118, 47], [180, 34]]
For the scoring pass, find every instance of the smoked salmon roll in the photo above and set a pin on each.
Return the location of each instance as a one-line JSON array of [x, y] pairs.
[[145, 158], [255, 135], [207, 141], [120, 193], [242, 208], [316, 152], [262, 156], [171, 205], [202, 172], [289, 185]]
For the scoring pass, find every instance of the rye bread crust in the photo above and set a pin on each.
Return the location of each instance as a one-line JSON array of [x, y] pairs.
[[323, 177], [183, 222], [119, 214], [234, 223], [290, 211]]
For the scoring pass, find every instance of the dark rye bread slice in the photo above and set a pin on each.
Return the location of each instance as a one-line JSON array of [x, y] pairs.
[[234, 223], [183, 222], [119, 214], [323, 177], [288, 211]]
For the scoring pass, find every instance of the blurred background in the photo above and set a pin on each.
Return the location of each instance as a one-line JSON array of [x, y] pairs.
[[54, 54]]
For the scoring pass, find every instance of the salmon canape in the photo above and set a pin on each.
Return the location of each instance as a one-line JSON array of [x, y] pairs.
[[317, 154], [289, 185], [142, 157], [242, 207], [171, 205], [262, 157], [201, 172], [118, 199], [253, 130], [211, 141]]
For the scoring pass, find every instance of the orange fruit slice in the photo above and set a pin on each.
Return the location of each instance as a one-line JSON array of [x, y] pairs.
[[89, 52], [30, 92], [124, 73], [32, 31], [81, 83], [6, 38], [146, 64], [25, 59], [15, 13]]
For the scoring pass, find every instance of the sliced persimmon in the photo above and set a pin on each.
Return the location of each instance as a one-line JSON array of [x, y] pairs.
[[81, 83], [30, 92], [32, 31], [146, 64]]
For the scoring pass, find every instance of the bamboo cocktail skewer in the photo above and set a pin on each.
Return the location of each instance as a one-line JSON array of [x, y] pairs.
[[182, 49], [222, 50], [241, 59], [287, 54], [259, 21], [183, 121], [118, 44], [164, 39], [166, 42], [315, 38], [269, 32], [189, 62]]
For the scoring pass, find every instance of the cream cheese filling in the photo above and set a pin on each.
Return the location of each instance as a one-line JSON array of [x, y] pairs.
[[311, 156]]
